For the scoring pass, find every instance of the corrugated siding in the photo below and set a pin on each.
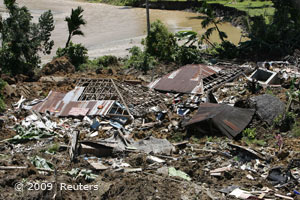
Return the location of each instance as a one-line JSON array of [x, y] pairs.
[[227, 119], [187, 79], [61, 104]]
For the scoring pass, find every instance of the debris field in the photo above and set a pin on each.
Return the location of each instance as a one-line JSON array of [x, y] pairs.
[[196, 132]]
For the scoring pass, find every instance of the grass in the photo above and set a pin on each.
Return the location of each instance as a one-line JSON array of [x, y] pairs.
[[253, 8]]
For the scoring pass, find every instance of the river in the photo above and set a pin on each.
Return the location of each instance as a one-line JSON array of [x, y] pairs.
[[114, 29]]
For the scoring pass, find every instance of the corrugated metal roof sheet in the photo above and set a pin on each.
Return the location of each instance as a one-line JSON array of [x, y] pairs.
[[186, 79], [51, 103], [215, 118], [92, 106], [62, 104]]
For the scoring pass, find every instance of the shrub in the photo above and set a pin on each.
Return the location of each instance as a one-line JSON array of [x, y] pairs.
[[77, 54], [285, 122], [160, 43], [188, 55], [250, 133], [227, 50], [249, 137], [107, 60], [90, 65], [140, 60]]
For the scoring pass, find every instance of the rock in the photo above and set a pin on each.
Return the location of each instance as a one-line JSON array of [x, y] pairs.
[[61, 64], [53, 79], [268, 107]]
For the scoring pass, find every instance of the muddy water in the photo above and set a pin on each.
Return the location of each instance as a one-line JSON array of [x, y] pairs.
[[113, 29]]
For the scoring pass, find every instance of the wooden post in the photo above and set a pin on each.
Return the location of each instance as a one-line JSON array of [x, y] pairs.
[[148, 17]]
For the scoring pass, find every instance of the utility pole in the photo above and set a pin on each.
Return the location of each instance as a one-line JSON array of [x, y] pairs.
[[148, 17]]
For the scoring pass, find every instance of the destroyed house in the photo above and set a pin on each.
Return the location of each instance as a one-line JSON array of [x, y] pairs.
[[101, 97], [195, 78]]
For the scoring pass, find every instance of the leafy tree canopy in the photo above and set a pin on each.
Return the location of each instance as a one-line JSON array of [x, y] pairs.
[[22, 39]]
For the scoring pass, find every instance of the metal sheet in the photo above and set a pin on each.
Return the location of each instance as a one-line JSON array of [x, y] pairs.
[[73, 95], [51, 103], [186, 79], [61, 104], [226, 119], [78, 111], [92, 106]]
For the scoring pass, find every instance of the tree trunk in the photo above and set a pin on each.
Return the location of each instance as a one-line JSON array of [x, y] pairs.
[[218, 31], [68, 41]]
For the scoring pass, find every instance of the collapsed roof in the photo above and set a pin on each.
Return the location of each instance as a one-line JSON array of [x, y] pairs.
[[215, 118], [195, 78], [104, 97]]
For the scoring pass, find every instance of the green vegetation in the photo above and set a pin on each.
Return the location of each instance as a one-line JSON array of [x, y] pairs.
[[272, 39], [160, 43], [22, 40], [296, 129], [2, 104], [250, 133], [75, 21], [140, 60], [31, 133], [285, 122], [100, 63], [177, 137], [53, 149], [249, 137], [211, 18], [189, 52], [77, 54], [278, 38], [107, 60], [253, 8]]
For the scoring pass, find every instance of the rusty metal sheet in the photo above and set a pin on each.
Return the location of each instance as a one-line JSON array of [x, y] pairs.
[[186, 79], [216, 118], [66, 104], [92, 106], [51, 103], [75, 111]]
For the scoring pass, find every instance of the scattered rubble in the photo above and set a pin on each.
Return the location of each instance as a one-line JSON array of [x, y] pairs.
[[134, 142]]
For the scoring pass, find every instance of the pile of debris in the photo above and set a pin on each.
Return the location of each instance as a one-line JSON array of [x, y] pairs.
[[172, 139]]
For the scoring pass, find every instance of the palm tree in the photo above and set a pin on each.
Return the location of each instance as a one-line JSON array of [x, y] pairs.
[[211, 19], [74, 23]]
